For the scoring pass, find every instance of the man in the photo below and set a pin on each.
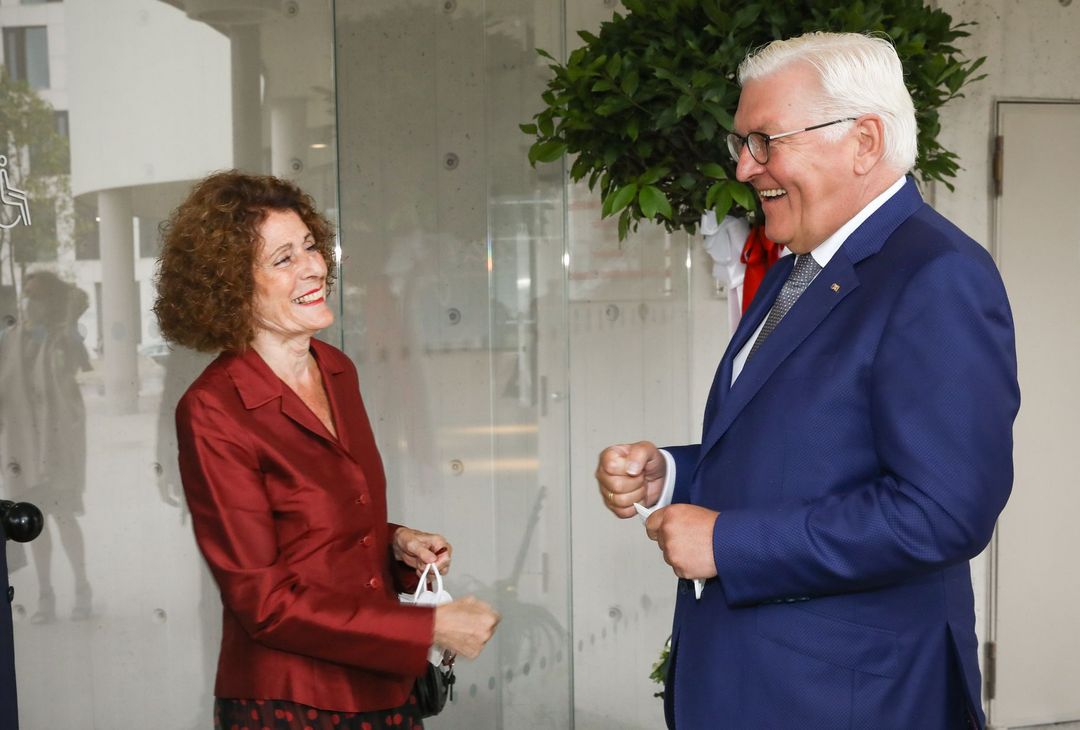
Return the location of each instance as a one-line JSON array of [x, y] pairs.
[[857, 443]]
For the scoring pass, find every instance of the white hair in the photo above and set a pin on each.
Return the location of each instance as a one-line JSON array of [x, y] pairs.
[[860, 74]]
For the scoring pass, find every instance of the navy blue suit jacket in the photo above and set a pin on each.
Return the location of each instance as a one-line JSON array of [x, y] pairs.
[[858, 463], [9, 713]]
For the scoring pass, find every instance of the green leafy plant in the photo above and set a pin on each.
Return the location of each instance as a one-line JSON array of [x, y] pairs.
[[660, 667], [646, 103]]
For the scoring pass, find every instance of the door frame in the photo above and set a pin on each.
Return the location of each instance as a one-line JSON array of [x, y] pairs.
[[993, 560]]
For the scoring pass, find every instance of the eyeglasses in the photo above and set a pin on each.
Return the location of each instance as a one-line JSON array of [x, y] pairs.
[[758, 142]]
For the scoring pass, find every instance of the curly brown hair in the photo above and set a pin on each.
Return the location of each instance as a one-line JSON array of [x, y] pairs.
[[205, 273]]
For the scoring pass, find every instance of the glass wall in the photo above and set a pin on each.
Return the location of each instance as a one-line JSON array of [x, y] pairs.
[[454, 309], [502, 333], [505, 336], [116, 619]]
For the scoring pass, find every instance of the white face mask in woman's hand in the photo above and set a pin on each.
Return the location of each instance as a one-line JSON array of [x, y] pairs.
[[425, 596]]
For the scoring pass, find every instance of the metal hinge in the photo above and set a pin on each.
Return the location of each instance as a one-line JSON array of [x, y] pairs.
[[990, 662], [999, 164]]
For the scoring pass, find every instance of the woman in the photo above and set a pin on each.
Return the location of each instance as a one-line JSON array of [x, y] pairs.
[[283, 478]]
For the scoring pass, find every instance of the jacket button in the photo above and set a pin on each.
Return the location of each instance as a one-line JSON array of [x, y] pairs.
[[363, 499], [366, 541], [374, 583]]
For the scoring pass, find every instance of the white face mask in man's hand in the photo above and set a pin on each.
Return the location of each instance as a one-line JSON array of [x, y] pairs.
[[643, 513]]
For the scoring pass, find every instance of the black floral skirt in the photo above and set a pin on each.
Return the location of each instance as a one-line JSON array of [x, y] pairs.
[[232, 714]]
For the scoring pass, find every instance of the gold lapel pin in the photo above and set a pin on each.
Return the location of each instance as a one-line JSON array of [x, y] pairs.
[[835, 287]]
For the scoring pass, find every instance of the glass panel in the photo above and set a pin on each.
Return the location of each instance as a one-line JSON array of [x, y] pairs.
[[646, 330], [455, 314], [116, 619], [502, 333]]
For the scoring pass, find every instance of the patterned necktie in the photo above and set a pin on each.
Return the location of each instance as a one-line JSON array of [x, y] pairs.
[[800, 277]]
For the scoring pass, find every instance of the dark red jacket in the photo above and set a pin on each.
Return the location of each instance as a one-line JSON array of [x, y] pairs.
[[293, 525]]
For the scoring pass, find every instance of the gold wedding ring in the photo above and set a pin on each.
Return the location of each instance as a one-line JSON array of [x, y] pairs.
[[611, 497]]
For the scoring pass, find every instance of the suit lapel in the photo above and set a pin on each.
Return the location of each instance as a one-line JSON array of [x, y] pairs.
[[835, 282], [748, 324]]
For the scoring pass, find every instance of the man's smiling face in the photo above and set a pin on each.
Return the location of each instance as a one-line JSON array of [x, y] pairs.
[[808, 188]]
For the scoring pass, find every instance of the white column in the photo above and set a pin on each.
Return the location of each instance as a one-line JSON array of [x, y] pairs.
[[288, 127], [120, 298], [246, 98]]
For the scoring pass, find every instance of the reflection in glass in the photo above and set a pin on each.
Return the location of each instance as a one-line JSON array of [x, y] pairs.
[[479, 300], [43, 429], [26, 55], [158, 94], [453, 309]]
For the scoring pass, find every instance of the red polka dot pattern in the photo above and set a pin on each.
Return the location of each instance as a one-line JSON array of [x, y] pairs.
[[230, 714]]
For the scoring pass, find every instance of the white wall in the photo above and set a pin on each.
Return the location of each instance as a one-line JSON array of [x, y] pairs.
[[149, 93], [1032, 50]]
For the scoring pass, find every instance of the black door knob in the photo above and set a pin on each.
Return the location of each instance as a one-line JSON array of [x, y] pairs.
[[22, 521]]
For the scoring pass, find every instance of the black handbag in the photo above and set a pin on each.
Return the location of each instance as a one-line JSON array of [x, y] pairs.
[[434, 687]]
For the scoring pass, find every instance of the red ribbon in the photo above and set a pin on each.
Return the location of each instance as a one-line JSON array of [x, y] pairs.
[[759, 253]]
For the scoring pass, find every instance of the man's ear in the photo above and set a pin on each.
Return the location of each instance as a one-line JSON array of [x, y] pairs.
[[870, 143]]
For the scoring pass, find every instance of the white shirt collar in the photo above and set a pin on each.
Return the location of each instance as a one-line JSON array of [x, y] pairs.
[[823, 254]]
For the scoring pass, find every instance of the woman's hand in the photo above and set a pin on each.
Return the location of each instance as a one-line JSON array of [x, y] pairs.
[[464, 626], [416, 549]]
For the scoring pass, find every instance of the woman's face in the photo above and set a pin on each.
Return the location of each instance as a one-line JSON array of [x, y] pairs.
[[290, 279]]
